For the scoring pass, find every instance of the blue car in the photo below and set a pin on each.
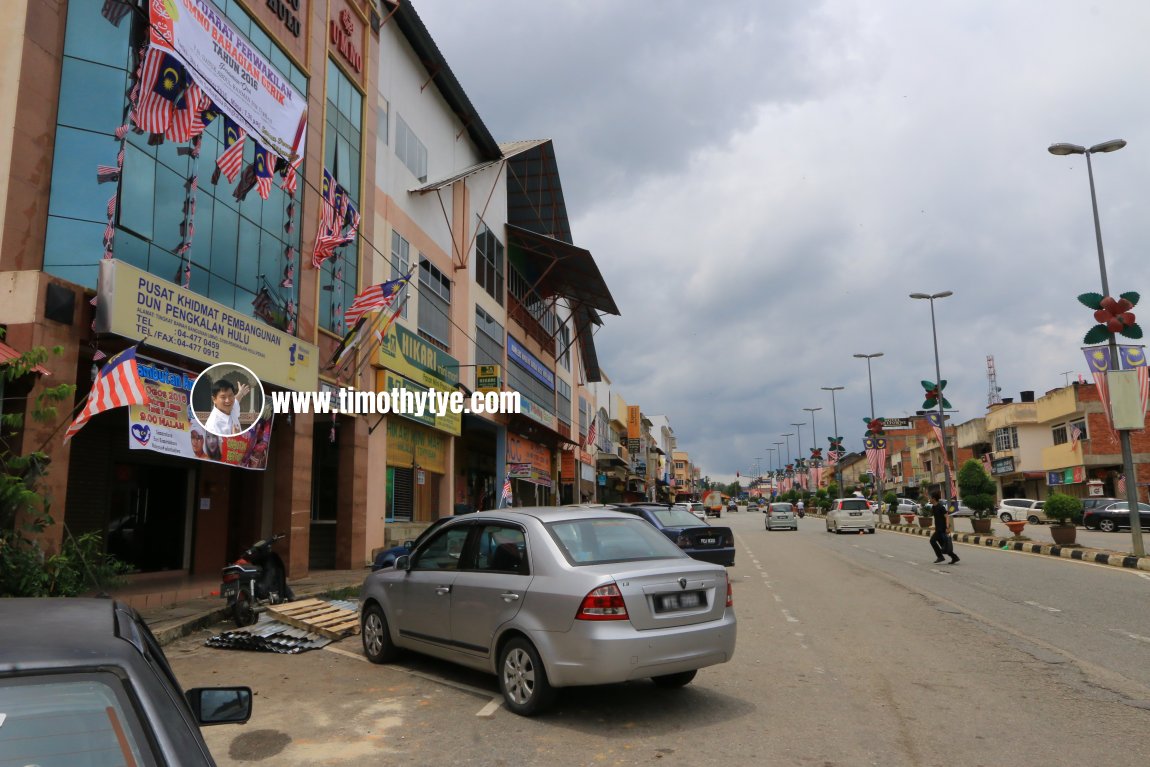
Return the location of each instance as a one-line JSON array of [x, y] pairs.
[[698, 540], [387, 557]]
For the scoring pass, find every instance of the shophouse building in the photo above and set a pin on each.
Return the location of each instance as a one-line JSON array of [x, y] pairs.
[[1018, 439]]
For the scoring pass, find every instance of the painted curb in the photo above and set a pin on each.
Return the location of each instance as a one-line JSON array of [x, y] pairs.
[[1109, 558]]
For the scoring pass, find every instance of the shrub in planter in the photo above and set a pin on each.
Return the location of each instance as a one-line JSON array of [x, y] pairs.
[[1064, 509], [976, 489]]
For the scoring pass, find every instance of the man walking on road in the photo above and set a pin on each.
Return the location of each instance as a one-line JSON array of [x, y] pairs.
[[940, 540]]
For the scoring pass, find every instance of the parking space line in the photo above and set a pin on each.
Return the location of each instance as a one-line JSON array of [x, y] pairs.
[[1043, 607], [489, 710], [802, 644], [411, 672]]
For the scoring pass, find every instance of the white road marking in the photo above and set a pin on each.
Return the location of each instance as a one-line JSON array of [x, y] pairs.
[[940, 572], [790, 618], [911, 563], [1144, 575], [489, 710], [759, 567], [1138, 637], [755, 561], [1043, 607], [802, 644], [778, 598], [819, 670], [889, 556], [872, 551]]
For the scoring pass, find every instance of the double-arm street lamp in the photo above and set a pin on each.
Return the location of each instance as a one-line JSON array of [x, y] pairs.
[[788, 438], [799, 446], [870, 387], [835, 416], [947, 491], [1123, 435]]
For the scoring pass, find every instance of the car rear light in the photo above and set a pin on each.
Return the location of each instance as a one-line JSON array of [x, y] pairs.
[[603, 604], [730, 596], [683, 541]]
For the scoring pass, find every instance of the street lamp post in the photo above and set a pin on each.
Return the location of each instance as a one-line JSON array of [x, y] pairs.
[[814, 434], [788, 436], [835, 416], [1123, 435], [948, 490], [870, 386], [799, 437]]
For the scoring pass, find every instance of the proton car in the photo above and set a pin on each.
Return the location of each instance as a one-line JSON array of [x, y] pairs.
[[850, 514], [781, 516], [706, 542], [548, 597]]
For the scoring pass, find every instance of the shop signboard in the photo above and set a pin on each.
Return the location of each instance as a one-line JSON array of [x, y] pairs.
[[417, 360], [896, 423], [523, 451], [452, 423], [634, 423], [165, 424], [488, 378], [529, 362], [536, 412], [135, 304], [410, 444], [1002, 465]]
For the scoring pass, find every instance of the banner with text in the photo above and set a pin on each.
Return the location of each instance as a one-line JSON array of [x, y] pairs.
[[240, 81]]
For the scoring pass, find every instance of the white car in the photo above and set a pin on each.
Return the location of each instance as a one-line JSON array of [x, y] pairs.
[[907, 506], [696, 508], [850, 514], [1021, 508]]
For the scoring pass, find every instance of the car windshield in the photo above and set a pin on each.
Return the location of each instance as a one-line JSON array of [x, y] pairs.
[[780, 508], [69, 719], [675, 518], [600, 539]]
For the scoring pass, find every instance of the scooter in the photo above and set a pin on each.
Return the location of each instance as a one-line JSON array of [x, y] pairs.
[[254, 581]]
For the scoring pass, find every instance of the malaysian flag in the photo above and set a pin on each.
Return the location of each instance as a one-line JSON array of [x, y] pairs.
[[1098, 359], [106, 173], [115, 10], [1135, 357], [164, 81], [374, 298], [1075, 435], [876, 456], [265, 163], [232, 158], [591, 434], [1122, 485], [117, 385], [505, 495], [185, 112], [326, 236]]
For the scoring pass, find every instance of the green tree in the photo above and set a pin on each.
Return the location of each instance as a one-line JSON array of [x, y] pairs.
[[26, 570], [976, 489], [734, 489]]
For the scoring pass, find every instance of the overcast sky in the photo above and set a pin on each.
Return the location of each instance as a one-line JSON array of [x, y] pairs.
[[763, 183]]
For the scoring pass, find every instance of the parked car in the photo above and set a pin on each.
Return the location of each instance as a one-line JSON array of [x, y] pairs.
[[706, 542], [1116, 516], [546, 598], [693, 507], [81, 677], [387, 557], [1095, 502], [1021, 508], [850, 514], [781, 516], [907, 506], [962, 511]]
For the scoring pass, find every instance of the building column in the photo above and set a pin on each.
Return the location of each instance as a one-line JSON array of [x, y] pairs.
[[351, 514], [292, 453]]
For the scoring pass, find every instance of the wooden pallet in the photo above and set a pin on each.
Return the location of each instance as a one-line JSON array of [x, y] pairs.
[[317, 616]]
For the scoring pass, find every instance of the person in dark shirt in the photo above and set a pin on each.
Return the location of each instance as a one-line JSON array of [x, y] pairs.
[[940, 540]]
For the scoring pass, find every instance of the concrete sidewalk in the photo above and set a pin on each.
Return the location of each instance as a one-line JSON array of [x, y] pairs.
[[195, 607]]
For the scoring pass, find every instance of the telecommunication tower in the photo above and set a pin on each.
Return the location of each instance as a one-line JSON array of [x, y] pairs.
[[993, 396]]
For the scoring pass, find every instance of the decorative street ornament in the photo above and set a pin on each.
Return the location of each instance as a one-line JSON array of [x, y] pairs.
[[816, 454], [1113, 316], [800, 465], [836, 444], [790, 469], [934, 394], [874, 427]]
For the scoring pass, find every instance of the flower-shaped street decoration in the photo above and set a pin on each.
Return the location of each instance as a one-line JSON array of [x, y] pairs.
[[790, 469], [874, 427], [1113, 315], [934, 394], [836, 444], [800, 465], [816, 454]]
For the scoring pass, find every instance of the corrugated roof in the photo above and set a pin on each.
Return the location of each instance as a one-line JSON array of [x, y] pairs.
[[8, 354]]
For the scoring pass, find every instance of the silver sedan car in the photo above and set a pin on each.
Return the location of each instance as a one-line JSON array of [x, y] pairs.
[[552, 597], [781, 516]]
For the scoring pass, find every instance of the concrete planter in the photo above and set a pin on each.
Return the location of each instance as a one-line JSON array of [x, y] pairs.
[[1016, 526], [926, 522], [1064, 535], [981, 526]]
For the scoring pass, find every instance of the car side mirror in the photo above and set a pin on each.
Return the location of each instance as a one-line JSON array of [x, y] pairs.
[[403, 562], [220, 705], [409, 545]]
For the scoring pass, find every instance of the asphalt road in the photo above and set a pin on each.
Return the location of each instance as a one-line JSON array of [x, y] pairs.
[[852, 650]]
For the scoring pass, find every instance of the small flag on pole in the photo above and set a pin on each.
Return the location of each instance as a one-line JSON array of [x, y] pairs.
[[505, 496], [591, 434], [375, 297], [117, 385]]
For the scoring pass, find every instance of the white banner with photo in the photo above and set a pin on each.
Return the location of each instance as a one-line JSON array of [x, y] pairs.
[[240, 81], [165, 425]]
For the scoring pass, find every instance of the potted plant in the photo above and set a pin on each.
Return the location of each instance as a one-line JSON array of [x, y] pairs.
[[977, 491], [1064, 509], [891, 501]]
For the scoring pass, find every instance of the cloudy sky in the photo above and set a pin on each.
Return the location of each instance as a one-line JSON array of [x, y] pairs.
[[763, 183]]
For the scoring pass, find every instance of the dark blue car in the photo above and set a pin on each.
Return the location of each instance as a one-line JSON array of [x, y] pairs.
[[697, 539], [387, 557]]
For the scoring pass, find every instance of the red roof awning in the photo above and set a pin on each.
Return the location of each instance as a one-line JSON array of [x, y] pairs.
[[8, 354]]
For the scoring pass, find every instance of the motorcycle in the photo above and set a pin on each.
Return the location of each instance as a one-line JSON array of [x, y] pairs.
[[254, 581]]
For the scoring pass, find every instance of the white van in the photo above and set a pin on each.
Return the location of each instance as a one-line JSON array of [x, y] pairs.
[[850, 514]]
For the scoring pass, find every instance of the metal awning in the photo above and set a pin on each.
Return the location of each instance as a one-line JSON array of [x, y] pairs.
[[8, 354], [557, 268]]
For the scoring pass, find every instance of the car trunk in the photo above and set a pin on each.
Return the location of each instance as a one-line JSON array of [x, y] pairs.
[[678, 596], [707, 537]]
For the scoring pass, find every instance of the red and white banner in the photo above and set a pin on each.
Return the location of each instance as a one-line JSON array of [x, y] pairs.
[[238, 79]]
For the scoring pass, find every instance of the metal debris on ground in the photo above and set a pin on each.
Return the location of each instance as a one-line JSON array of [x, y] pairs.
[[269, 636]]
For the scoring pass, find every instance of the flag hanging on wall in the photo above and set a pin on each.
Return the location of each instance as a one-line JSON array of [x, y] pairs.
[[505, 495], [118, 384]]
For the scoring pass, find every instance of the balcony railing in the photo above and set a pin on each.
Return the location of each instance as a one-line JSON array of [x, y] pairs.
[[528, 308]]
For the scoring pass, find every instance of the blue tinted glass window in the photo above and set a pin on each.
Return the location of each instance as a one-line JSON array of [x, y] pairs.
[[132, 249], [225, 236], [221, 290], [170, 195], [202, 241], [85, 102], [111, 46], [75, 192], [71, 243], [248, 257], [137, 192]]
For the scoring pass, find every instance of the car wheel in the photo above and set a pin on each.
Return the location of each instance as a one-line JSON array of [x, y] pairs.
[[871, 531], [523, 680], [673, 681], [1033, 520], [243, 613], [1005, 517], [1108, 525], [377, 644]]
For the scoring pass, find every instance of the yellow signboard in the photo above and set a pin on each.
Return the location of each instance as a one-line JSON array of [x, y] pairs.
[[409, 444], [452, 423], [488, 378], [135, 304], [417, 360], [634, 422]]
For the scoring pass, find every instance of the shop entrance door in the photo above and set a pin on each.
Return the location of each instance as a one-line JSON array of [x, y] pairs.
[[147, 516]]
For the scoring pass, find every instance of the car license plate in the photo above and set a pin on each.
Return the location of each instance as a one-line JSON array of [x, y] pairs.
[[708, 541], [228, 590], [856, 513], [685, 601]]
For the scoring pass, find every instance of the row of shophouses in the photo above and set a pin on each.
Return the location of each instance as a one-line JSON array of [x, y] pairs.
[[112, 234], [1060, 442]]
